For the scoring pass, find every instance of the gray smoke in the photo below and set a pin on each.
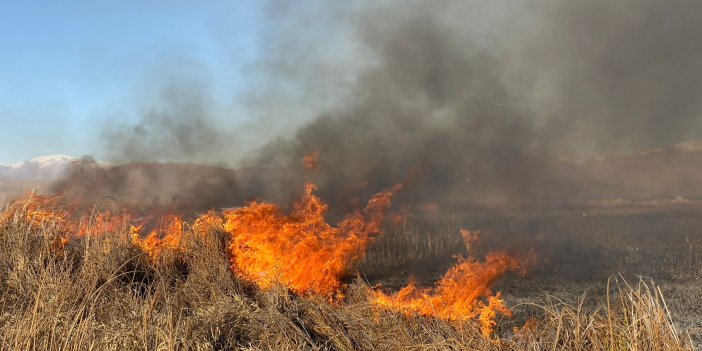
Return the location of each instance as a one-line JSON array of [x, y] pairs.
[[484, 99], [615, 77], [151, 187], [181, 124]]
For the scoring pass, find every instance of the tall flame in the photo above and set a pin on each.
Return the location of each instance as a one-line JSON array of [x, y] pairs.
[[301, 250]]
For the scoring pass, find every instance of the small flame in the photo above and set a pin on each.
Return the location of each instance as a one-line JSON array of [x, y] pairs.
[[39, 212], [311, 160], [460, 294]]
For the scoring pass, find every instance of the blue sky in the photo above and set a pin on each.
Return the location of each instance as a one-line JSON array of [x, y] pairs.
[[66, 67]]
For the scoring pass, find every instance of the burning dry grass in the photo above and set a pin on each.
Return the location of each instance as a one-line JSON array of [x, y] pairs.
[[106, 292], [302, 250]]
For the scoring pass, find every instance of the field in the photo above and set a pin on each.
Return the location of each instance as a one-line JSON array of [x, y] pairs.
[[615, 281], [576, 254]]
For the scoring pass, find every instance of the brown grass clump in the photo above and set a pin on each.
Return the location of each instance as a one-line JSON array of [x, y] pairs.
[[632, 318], [101, 292]]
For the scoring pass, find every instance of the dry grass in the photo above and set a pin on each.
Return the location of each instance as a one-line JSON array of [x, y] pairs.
[[631, 318], [102, 293]]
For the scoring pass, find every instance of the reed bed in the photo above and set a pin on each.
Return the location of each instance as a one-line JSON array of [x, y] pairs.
[[103, 293]]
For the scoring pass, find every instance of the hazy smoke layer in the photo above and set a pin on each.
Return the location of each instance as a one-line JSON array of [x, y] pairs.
[[180, 124], [481, 97], [175, 188], [615, 76]]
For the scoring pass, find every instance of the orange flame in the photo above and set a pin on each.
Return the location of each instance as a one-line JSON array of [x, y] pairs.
[[104, 222], [42, 212], [458, 295], [169, 236], [210, 222], [301, 251], [38, 211], [311, 160]]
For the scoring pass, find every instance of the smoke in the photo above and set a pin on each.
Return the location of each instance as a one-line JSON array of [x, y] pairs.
[[181, 122], [430, 103], [485, 99], [172, 188], [615, 77]]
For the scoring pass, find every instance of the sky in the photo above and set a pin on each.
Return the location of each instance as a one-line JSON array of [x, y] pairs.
[[69, 67], [224, 77]]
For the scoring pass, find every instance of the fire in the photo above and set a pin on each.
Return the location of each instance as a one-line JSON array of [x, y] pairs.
[[461, 293], [38, 211], [307, 255], [44, 212], [104, 222], [301, 250], [168, 237], [311, 160], [210, 222]]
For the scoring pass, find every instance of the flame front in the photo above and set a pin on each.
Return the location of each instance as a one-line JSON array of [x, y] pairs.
[[39, 212], [301, 251], [458, 295]]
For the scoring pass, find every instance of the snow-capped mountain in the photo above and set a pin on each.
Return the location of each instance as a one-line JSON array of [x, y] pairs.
[[42, 169]]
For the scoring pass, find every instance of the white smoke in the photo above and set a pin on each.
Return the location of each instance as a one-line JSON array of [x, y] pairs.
[[44, 168]]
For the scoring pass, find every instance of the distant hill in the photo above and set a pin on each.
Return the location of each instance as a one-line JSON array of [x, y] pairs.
[[35, 173], [662, 175]]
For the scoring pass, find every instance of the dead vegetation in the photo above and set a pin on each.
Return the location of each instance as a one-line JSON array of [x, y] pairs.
[[103, 293]]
